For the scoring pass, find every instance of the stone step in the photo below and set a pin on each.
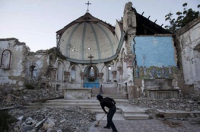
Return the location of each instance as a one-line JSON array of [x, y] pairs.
[[136, 116], [177, 113], [131, 110], [111, 96], [83, 105], [102, 112], [73, 101], [127, 110], [117, 116], [39, 107], [91, 100], [63, 104], [97, 110]]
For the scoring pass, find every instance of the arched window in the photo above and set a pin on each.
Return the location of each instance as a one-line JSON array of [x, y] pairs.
[[91, 72], [109, 73], [6, 59], [73, 73], [33, 70], [60, 72]]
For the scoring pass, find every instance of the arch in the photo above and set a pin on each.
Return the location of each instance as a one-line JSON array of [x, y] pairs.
[[6, 59], [33, 68], [60, 71], [74, 72], [102, 68], [197, 47], [109, 73], [121, 53], [116, 62], [91, 79]]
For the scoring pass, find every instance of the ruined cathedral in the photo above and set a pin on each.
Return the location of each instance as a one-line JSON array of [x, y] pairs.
[[135, 58]]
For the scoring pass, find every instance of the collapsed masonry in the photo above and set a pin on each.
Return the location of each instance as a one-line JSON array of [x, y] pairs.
[[78, 119], [27, 76], [68, 119]]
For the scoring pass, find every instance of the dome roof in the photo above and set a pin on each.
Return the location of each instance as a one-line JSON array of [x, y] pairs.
[[87, 36]]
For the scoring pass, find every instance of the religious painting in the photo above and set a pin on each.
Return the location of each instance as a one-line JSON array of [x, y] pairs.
[[154, 57], [154, 72]]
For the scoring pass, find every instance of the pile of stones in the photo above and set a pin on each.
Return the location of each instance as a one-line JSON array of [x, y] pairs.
[[168, 104], [68, 119], [24, 96]]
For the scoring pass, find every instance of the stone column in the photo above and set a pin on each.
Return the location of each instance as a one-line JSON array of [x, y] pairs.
[[114, 73], [101, 81], [119, 69], [130, 83], [66, 77], [101, 77], [82, 78], [129, 26], [53, 74]]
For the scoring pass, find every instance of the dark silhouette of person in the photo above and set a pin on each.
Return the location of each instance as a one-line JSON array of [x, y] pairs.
[[109, 103]]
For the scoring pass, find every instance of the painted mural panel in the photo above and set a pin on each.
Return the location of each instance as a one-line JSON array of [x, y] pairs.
[[155, 57]]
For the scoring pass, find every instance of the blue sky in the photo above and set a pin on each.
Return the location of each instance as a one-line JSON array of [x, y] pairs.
[[35, 22]]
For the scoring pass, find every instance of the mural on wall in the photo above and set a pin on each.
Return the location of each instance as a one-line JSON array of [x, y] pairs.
[[155, 72], [155, 57]]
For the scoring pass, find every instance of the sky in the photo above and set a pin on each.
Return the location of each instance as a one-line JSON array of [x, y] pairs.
[[35, 22]]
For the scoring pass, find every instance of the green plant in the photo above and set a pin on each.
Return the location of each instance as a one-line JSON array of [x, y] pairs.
[[183, 18]]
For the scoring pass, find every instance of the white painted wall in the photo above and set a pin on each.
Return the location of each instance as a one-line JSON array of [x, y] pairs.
[[190, 55], [13, 77]]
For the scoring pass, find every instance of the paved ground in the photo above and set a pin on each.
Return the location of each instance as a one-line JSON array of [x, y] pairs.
[[151, 125]]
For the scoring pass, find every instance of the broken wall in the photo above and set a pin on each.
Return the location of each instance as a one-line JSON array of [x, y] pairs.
[[156, 63], [36, 68], [155, 57], [189, 37], [13, 57]]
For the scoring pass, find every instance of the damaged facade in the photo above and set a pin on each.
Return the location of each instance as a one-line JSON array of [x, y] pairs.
[[136, 58], [189, 40], [13, 63]]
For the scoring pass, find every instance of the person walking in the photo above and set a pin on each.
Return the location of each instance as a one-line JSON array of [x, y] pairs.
[[109, 103]]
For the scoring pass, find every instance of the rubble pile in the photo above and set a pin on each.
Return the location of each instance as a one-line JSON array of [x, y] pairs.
[[168, 104], [68, 119], [24, 96]]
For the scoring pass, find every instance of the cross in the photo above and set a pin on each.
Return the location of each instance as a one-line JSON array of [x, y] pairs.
[[88, 6], [90, 58]]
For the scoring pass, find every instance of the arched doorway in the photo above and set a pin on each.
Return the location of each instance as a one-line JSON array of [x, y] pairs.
[[91, 79]]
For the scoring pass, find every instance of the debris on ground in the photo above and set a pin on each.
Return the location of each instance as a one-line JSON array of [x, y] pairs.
[[68, 119]]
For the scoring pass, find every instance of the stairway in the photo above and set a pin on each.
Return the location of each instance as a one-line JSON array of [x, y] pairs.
[[111, 96], [123, 108]]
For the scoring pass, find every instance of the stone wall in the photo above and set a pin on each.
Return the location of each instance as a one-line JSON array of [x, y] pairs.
[[189, 37], [12, 66], [186, 104], [36, 68], [155, 57]]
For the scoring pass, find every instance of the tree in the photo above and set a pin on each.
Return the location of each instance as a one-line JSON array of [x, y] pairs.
[[183, 18]]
